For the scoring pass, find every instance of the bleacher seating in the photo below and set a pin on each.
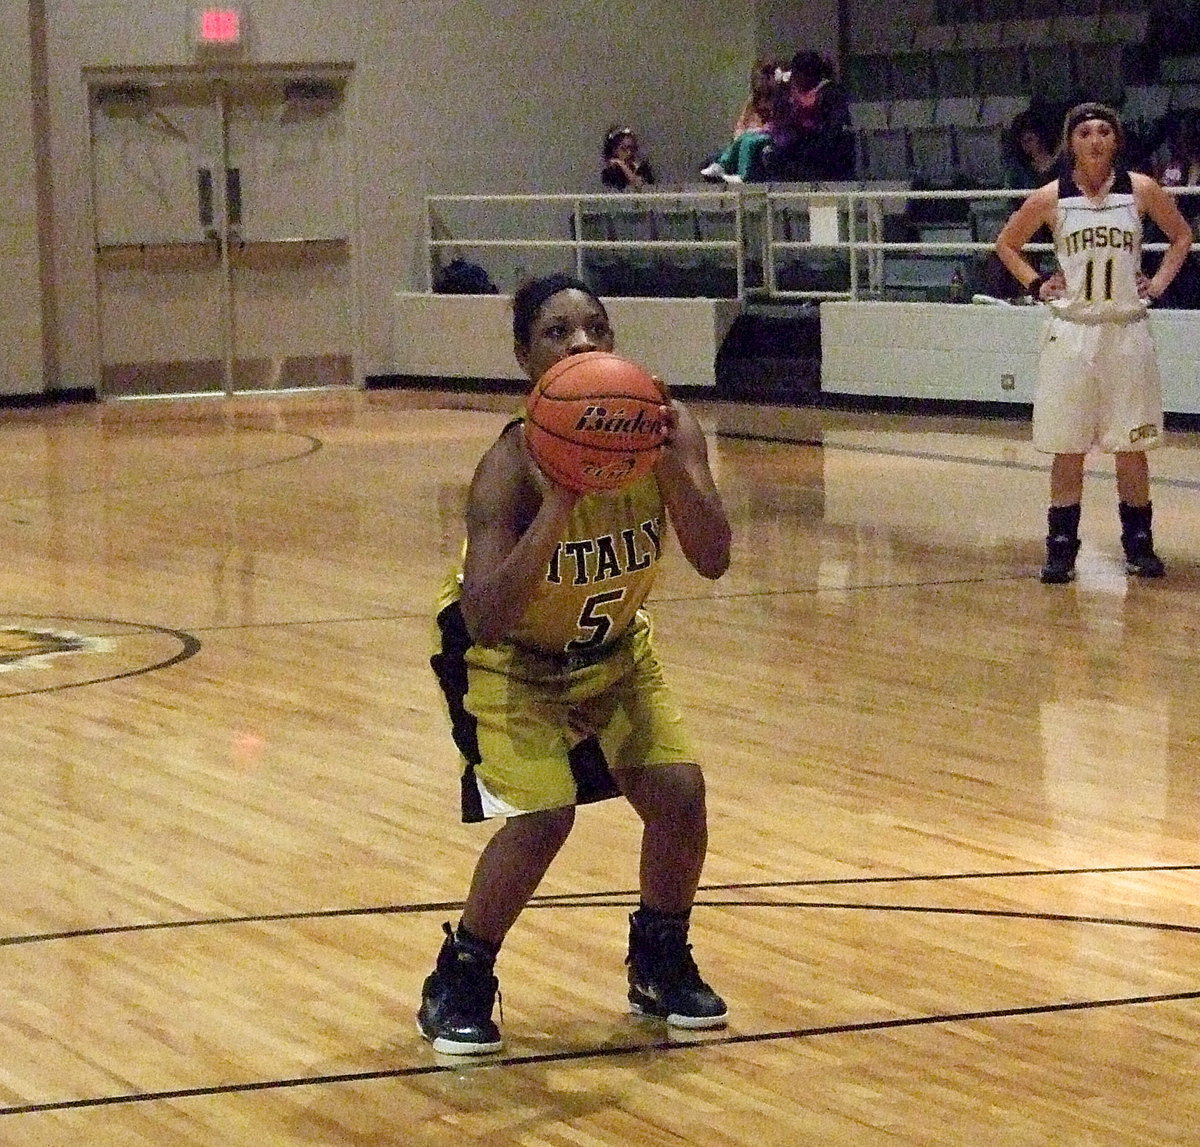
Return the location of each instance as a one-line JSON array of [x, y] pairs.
[[883, 154], [1029, 32], [938, 98], [1185, 96], [980, 151], [870, 115], [1123, 27], [935, 37], [1100, 73], [980, 36], [911, 113], [933, 107], [933, 155], [998, 110], [1081, 29], [1145, 104], [1051, 74], [954, 74], [1002, 72], [680, 272], [956, 111]]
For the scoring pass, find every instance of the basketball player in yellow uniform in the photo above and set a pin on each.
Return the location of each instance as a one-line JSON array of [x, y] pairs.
[[555, 693], [1098, 383]]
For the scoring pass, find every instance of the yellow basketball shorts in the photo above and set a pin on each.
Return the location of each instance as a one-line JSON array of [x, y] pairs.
[[1098, 388], [538, 731]]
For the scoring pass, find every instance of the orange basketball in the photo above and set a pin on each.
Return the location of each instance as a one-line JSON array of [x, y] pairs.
[[592, 422]]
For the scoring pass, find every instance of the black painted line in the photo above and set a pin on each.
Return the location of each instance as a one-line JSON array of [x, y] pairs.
[[189, 647], [935, 456], [211, 921], [676, 599], [608, 1051], [930, 583], [613, 898], [314, 444], [923, 909], [939, 910], [920, 878]]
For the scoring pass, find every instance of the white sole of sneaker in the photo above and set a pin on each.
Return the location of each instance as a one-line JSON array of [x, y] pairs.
[[697, 1023], [450, 1047], [690, 1023], [455, 1047]]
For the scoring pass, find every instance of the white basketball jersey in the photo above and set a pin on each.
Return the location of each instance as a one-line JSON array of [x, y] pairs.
[[1099, 248]]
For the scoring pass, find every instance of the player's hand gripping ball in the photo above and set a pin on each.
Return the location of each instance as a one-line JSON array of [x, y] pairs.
[[593, 422]]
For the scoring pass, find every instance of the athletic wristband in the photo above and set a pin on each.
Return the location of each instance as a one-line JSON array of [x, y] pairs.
[[1034, 289]]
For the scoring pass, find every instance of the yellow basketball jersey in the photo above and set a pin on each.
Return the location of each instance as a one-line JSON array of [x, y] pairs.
[[599, 575]]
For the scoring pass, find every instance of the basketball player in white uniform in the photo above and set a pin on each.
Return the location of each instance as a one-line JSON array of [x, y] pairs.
[[1098, 385]]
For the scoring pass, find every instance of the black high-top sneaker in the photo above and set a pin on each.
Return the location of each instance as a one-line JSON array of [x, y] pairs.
[[1137, 540], [663, 978], [457, 999], [1061, 552]]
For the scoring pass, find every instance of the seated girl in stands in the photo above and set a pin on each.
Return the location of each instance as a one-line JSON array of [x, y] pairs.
[[625, 168], [810, 125], [739, 162]]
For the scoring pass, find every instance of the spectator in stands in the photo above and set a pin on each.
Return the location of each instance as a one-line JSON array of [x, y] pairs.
[[1098, 385], [1033, 152], [810, 125], [1181, 169], [625, 168], [741, 160], [1033, 155]]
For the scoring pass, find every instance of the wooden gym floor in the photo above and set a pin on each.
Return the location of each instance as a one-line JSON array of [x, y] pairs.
[[952, 895]]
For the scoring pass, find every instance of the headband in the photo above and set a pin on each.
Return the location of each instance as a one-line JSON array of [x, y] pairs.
[[1082, 112]]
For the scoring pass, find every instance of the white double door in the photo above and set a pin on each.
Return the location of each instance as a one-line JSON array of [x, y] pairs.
[[223, 226]]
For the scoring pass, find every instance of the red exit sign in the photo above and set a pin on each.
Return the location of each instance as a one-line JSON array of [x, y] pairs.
[[218, 27]]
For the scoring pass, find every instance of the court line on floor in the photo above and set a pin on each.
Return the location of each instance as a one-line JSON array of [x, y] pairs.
[[627, 899], [607, 1051], [937, 456], [674, 599], [189, 644], [192, 644], [314, 444], [608, 898]]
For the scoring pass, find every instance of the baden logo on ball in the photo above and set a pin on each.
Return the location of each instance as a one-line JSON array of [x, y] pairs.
[[594, 422]]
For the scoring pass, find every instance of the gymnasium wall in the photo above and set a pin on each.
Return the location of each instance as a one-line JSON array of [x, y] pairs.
[[447, 96], [20, 296]]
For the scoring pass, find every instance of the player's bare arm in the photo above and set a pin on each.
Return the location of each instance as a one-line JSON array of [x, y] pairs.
[[1036, 211], [1160, 206], [513, 524], [693, 502]]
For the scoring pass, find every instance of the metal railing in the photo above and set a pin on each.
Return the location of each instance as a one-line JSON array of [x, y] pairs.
[[764, 239]]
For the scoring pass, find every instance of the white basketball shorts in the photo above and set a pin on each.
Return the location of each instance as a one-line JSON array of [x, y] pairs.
[[1097, 389]]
